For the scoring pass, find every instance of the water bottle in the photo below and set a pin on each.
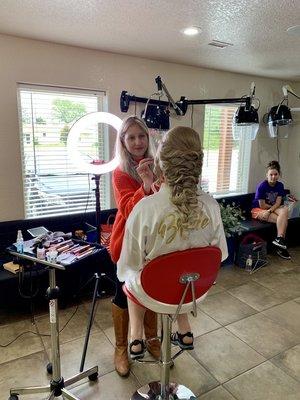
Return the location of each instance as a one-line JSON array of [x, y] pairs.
[[249, 263], [20, 242]]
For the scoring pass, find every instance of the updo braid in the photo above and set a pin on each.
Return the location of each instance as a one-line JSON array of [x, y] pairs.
[[180, 160]]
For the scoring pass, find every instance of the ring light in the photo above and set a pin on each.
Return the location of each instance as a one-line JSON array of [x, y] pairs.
[[73, 138]]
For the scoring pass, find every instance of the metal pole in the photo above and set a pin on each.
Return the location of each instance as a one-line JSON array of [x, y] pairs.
[[54, 328], [98, 206], [166, 357], [87, 336]]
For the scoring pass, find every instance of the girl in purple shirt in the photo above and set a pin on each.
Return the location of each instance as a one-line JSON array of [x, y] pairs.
[[267, 206]]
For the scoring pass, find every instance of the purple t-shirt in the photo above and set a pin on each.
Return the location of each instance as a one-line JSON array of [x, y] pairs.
[[269, 193]]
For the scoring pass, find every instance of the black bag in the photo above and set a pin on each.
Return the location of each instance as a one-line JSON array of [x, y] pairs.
[[252, 253]]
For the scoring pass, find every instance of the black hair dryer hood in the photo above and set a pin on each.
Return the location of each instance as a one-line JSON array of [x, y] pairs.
[[157, 117], [280, 115]]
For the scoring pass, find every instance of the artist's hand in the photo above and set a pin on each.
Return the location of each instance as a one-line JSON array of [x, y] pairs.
[[144, 171]]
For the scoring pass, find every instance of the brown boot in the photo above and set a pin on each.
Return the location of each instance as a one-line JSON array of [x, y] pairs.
[[121, 319], [150, 327]]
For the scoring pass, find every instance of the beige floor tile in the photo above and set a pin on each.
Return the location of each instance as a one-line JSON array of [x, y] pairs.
[[24, 372], [297, 300], [224, 355], [187, 371], [287, 315], [289, 361], [279, 265], [24, 345], [76, 327], [99, 352], [108, 387], [231, 276], [263, 335], [201, 324], [256, 296], [218, 393], [287, 284], [217, 288], [103, 315], [225, 308], [265, 382]]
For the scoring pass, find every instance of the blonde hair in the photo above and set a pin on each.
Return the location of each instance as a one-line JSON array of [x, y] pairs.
[[180, 159], [127, 163]]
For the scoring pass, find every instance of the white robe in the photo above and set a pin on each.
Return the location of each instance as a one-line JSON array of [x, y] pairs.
[[146, 238]]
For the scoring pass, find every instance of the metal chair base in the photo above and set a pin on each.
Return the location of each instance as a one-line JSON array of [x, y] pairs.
[[152, 391], [57, 391]]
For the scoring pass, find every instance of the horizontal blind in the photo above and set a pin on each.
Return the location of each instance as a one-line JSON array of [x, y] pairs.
[[51, 186], [226, 162]]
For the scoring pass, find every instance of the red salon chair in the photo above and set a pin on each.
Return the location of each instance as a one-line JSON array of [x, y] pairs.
[[177, 279]]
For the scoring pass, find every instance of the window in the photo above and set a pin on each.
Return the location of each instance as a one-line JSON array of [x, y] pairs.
[[226, 162], [50, 184]]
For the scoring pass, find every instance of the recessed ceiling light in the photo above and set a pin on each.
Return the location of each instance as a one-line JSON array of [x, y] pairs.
[[192, 31], [294, 30]]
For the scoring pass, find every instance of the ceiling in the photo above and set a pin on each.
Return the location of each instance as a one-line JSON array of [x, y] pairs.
[[152, 29]]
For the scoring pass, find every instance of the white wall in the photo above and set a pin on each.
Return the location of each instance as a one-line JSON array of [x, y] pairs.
[[29, 61], [293, 165]]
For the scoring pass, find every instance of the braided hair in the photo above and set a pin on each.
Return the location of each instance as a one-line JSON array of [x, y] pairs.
[[180, 159]]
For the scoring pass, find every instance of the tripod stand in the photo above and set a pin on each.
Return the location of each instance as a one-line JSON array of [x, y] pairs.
[[58, 385]]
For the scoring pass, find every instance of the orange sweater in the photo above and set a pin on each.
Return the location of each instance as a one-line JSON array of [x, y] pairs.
[[127, 192]]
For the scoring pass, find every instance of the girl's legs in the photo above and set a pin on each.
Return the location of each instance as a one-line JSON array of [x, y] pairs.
[[279, 217], [136, 316], [282, 215]]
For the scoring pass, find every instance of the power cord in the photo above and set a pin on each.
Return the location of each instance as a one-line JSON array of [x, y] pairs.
[[38, 333]]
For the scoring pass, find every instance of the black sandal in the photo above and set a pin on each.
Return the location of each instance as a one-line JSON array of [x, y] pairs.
[[135, 355], [177, 340]]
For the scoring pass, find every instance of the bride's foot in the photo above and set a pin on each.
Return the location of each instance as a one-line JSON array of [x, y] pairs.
[[185, 341], [137, 349]]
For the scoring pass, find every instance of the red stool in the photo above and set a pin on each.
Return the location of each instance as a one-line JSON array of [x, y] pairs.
[[175, 281]]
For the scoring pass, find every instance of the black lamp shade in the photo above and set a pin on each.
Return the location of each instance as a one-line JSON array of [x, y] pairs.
[[246, 117], [280, 115], [157, 117]]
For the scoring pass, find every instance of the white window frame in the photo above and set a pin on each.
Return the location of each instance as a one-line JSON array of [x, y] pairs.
[[242, 166], [83, 205]]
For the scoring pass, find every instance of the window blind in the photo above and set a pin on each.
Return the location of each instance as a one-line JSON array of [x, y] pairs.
[[226, 162], [51, 184]]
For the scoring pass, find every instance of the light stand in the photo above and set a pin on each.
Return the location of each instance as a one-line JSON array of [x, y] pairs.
[[96, 178], [57, 386], [97, 167]]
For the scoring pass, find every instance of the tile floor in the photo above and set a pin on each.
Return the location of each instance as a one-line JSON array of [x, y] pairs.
[[247, 344]]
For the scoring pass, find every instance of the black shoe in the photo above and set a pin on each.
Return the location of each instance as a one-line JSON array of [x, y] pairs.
[[135, 355], [177, 339], [283, 253], [279, 242]]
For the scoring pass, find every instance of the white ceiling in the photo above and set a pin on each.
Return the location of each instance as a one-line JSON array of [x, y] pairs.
[[151, 29]]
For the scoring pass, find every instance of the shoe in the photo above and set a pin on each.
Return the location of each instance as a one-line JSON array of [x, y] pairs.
[[121, 320], [283, 253], [177, 340], [136, 355], [279, 242]]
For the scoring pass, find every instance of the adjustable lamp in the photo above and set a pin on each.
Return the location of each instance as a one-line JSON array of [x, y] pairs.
[[157, 119], [245, 121], [280, 115], [73, 139], [97, 167]]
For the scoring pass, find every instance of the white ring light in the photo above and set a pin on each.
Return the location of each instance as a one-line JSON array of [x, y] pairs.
[[73, 138]]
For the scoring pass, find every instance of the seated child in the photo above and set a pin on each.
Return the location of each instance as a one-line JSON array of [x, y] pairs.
[[267, 206]]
